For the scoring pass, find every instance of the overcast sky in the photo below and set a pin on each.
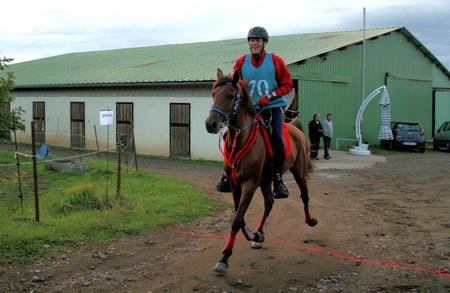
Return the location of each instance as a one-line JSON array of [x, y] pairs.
[[36, 29]]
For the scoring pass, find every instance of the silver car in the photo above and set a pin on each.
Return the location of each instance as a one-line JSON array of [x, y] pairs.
[[407, 135], [441, 138]]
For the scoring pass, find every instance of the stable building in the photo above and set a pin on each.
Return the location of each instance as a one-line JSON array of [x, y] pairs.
[[163, 93]]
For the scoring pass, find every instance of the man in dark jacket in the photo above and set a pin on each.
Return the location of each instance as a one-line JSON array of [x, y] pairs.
[[315, 132]]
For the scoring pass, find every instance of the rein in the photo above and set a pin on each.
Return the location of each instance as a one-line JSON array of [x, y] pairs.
[[234, 156]]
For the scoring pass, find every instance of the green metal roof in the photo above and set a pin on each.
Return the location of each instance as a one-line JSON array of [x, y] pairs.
[[176, 63]]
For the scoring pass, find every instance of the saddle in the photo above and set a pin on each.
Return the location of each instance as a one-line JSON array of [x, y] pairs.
[[267, 133]]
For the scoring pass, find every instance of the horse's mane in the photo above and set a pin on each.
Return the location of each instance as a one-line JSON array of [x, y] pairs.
[[246, 101]]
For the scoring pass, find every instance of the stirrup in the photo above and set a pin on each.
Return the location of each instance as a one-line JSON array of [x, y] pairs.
[[224, 184], [279, 189]]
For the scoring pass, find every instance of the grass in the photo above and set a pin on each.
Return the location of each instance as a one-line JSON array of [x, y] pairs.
[[203, 162], [75, 209], [377, 150]]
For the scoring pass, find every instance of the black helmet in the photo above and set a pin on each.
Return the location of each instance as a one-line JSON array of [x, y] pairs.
[[258, 32]]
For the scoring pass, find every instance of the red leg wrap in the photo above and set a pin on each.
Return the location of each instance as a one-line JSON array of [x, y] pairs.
[[262, 224], [307, 216], [230, 243]]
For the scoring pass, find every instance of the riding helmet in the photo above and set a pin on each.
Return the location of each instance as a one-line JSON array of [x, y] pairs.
[[258, 32]]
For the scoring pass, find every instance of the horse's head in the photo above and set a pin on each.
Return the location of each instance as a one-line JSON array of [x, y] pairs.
[[226, 95]]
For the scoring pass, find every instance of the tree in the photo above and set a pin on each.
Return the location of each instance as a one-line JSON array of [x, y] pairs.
[[10, 119]]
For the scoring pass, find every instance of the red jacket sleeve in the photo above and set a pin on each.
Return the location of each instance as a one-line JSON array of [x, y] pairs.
[[238, 65], [284, 78]]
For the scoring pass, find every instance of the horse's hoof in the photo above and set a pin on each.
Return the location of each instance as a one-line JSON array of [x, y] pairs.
[[312, 222], [221, 267], [259, 237], [257, 245]]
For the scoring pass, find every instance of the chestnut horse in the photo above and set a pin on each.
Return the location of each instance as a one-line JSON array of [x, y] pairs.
[[250, 167]]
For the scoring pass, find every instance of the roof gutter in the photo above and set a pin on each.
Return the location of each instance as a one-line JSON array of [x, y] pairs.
[[116, 85]]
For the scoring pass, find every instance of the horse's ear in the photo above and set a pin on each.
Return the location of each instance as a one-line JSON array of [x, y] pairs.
[[236, 77], [219, 73]]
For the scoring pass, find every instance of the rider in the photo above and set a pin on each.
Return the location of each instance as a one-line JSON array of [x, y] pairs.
[[270, 87]]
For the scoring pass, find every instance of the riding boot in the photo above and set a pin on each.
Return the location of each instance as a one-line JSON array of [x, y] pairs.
[[224, 184], [279, 189]]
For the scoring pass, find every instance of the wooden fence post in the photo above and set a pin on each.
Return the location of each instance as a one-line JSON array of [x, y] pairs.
[[18, 170], [119, 161], [36, 194], [134, 151], [96, 141]]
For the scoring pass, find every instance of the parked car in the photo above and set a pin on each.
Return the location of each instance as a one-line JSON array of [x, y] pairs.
[[441, 138], [407, 135]]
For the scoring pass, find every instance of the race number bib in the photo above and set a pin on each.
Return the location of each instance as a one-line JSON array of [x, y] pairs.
[[261, 87]]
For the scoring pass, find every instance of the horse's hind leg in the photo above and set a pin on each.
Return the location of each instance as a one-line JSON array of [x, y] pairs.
[[259, 236], [301, 182]]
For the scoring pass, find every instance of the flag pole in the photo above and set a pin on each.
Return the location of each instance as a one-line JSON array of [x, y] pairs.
[[363, 70]]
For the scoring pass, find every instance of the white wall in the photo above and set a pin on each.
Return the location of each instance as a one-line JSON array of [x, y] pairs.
[[151, 117]]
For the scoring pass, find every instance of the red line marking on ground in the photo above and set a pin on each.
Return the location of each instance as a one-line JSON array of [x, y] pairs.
[[333, 253]]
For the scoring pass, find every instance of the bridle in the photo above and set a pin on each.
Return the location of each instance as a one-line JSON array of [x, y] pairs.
[[237, 103], [228, 115]]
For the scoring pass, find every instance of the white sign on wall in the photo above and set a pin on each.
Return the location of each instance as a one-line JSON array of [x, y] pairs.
[[106, 117]]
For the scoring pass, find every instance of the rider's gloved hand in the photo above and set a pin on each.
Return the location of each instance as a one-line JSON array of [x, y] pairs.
[[264, 101]]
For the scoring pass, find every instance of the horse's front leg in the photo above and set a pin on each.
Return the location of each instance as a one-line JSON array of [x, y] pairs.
[[242, 198], [259, 236]]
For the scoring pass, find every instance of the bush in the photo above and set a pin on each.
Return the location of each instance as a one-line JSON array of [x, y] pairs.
[[79, 198]]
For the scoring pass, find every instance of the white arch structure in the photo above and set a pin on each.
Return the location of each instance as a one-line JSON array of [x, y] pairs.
[[362, 149]]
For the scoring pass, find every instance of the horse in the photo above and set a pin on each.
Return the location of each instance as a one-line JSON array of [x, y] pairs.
[[250, 166]]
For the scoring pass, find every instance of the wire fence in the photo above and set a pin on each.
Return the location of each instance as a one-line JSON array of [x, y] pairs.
[[21, 173]]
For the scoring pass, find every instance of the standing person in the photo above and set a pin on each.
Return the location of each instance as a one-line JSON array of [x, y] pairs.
[[327, 135], [270, 87], [315, 132]]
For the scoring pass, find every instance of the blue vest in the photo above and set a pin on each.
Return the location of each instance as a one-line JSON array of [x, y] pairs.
[[262, 81]]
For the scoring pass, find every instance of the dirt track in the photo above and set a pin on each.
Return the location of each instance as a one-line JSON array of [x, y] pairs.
[[381, 229]]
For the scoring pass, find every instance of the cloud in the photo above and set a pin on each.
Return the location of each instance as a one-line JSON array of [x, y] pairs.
[[50, 27], [429, 25]]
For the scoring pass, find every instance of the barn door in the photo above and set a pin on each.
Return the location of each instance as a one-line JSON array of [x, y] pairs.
[[77, 126], [124, 122], [180, 130], [39, 121], [441, 105], [411, 100]]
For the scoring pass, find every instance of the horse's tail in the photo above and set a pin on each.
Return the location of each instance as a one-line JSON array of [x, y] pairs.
[[308, 166]]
